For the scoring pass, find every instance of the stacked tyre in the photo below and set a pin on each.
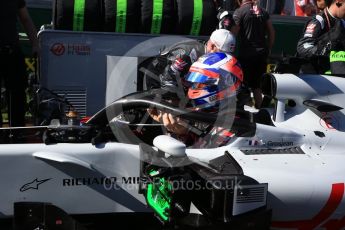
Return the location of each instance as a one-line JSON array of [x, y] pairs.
[[122, 16], [184, 17], [158, 16], [78, 15], [196, 17]]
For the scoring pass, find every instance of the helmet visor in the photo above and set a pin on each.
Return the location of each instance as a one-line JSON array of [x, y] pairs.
[[196, 77]]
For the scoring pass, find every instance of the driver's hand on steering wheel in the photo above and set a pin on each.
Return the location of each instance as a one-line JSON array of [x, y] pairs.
[[171, 123], [155, 114], [174, 124]]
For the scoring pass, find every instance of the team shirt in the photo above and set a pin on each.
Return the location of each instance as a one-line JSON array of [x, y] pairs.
[[252, 21]]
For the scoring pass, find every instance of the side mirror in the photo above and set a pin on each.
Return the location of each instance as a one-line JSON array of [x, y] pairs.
[[170, 146]]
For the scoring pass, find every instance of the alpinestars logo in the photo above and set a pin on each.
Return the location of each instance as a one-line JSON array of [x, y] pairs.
[[32, 185]]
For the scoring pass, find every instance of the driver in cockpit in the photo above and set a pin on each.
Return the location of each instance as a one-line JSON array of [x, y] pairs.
[[213, 84]]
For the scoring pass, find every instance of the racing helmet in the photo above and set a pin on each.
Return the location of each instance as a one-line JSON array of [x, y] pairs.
[[212, 79]]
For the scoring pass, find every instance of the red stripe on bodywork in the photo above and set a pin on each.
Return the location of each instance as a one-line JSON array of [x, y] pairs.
[[332, 203]]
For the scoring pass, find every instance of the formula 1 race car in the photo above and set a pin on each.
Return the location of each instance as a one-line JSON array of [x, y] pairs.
[[282, 169]]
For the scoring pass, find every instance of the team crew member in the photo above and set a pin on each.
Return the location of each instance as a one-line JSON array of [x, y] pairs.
[[12, 65], [221, 40], [253, 24], [324, 33]]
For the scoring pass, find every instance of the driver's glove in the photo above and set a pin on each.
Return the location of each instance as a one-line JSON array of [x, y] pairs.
[[181, 64], [173, 76]]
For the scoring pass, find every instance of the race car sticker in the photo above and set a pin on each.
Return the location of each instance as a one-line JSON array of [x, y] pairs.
[[33, 184], [253, 142], [280, 143]]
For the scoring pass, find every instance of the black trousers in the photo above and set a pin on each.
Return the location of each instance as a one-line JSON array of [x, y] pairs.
[[14, 78]]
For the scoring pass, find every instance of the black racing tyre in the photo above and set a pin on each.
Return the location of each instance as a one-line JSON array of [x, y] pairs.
[[65, 14], [122, 16], [201, 22], [158, 16]]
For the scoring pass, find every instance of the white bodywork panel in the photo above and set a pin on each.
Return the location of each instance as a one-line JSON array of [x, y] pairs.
[[75, 175]]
